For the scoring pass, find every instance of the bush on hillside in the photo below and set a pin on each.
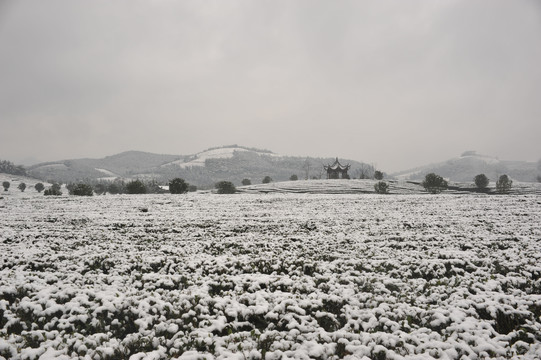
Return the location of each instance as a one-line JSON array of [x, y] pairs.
[[153, 187], [100, 188], [503, 185], [378, 175], [116, 187], [39, 187], [434, 184], [178, 186], [481, 181], [136, 187], [267, 179], [246, 182], [293, 177], [381, 187], [81, 190], [225, 187], [54, 190], [6, 185], [22, 186]]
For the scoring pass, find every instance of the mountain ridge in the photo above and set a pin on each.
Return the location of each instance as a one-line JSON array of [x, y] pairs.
[[230, 162], [234, 163]]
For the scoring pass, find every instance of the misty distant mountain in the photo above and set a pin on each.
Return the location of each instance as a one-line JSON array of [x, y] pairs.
[[470, 164], [232, 163], [125, 164]]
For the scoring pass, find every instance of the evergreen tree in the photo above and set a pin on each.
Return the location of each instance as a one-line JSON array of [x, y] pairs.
[[225, 187], [178, 186], [434, 183], [503, 185], [39, 187], [136, 187], [481, 181]]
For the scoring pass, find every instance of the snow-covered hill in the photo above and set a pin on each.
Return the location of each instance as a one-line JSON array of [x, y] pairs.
[[469, 164], [231, 163], [219, 153]]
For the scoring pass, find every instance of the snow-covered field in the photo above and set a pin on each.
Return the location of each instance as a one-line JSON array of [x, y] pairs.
[[271, 276]]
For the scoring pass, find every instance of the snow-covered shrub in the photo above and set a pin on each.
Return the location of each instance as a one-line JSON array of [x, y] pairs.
[[381, 187]]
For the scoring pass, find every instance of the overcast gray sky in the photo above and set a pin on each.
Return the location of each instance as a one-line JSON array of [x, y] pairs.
[[395, 83]]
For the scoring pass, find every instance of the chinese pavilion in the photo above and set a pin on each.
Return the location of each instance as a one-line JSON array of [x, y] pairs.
[[337, 170]]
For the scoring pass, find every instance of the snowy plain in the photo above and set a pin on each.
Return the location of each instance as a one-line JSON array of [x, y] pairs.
[[274, 276]]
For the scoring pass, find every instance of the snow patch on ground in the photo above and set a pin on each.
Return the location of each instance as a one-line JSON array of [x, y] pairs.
[[271, 276]]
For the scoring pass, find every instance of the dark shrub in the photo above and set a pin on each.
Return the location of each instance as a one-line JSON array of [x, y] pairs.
[[378, 175], [22, 186], [481, 181], [6, 185], [293, 177], [246, 182], [267, 179], [434, 183], [39, 187], [503, 185], [225, 187], [178, 186], [136, 187], [381, 187], [81, 190], [54, 190]]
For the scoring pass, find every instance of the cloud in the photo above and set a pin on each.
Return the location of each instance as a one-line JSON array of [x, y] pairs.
[[374, 81]]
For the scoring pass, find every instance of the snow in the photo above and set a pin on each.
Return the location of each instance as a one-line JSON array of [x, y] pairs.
[[110, 174], [222, 153], [253, 276]]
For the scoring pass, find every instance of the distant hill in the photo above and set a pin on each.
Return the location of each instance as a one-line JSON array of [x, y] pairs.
[[232, 163], [122, 165], [469, 164]]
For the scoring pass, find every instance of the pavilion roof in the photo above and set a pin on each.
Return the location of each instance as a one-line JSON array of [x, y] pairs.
[[336, 166]]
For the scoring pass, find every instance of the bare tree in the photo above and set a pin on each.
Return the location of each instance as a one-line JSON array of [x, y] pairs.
[[306, 167], [366, 171]]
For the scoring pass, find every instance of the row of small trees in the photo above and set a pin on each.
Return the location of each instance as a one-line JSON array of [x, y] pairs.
[[176, 186], [266, 180], [432, 183], [22, 186], [435, 184]]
